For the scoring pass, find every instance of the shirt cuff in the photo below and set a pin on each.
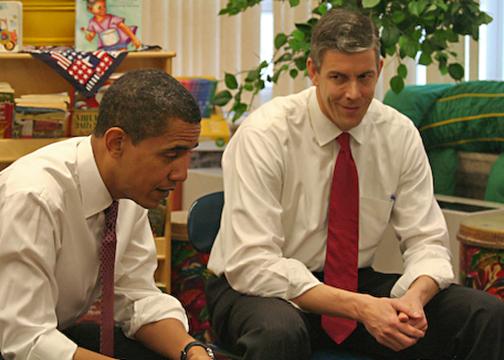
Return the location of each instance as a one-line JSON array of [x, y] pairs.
[[52, 346], [438, 269], [152, 309]]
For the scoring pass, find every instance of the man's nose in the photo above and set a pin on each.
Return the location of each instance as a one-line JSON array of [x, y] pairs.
[[179, 170], [353, 90]]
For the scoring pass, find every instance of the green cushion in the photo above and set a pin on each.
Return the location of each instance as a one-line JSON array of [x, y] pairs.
[[468, 117], [416, 101], [444, 165], [495, 185]]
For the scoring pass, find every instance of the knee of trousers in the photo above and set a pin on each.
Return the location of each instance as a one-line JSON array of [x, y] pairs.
[[487, 313], [279, 338]]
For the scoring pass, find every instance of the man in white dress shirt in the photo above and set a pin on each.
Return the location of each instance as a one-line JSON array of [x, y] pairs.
[[52, 221], [269, 294]]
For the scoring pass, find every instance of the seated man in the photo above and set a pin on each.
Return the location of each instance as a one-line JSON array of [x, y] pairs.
[[59, 210], [311, 182]]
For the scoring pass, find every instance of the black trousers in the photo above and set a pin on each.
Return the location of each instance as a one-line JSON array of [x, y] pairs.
[[88, 336], [463, 324]]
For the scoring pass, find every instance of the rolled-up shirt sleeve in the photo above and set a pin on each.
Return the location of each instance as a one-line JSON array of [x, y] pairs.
[[252, 234], [419, 223], [28, 252], [137, 299]]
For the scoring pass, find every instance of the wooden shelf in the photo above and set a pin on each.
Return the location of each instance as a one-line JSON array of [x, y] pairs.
[[28, 75]]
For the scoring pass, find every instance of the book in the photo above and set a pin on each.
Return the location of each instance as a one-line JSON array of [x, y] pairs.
[[41, 116], [6, 109], [11, 26], [108, 24]]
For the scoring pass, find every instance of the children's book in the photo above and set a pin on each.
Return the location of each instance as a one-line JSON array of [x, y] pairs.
[[108, 24], [11, 26]]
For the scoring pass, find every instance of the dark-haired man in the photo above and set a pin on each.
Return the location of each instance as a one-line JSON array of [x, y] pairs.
[[53, 230], [311, 182]]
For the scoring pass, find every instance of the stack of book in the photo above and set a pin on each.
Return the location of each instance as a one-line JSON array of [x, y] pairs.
[[41, 116], [6, 109]]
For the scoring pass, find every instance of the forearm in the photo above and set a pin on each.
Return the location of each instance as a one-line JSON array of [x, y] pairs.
[[423, 288], [167, 337], [84, 354], [327, 300]]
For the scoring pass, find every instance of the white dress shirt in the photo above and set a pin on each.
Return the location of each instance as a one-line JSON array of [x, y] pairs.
[[278, 171], [51, 223]]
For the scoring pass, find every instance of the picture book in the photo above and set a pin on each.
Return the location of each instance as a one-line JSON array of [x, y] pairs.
[[11, 26], [108, 24]]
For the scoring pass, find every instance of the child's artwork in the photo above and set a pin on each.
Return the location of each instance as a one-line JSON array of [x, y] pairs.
[[11, 17], [107, 24]]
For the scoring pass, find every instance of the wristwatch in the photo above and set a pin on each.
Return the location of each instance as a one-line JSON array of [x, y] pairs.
[[183, 353]]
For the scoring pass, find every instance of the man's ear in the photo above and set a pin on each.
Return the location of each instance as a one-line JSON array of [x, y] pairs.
[[312, 71], [115, 141]]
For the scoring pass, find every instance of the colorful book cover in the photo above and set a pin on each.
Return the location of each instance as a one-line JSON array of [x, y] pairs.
[[11, 26], [108, 24]]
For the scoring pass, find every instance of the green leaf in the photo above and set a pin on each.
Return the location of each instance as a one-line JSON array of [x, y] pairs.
[[425, 59], [408, 46], [413, 8], [293, 73], [239, 108], [402, 71], [230, 81], [398, 17], [366, 4], [293, 3], [251, 76], [222, 98], [456, 71], [300, 63], [390, 35], [397, 84], [298, 35], [248, 86], [280, 40]]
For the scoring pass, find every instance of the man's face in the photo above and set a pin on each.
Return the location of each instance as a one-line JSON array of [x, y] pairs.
[[345, 85], [149, 170]]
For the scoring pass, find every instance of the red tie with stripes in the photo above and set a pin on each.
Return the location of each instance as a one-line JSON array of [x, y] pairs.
[[341, 266], [107, 259]]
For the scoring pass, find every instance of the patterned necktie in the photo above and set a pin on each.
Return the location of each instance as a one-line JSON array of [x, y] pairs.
[[107, 259], [340, 269]]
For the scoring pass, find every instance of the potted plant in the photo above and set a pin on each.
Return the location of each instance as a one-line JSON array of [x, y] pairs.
[[417, 29]]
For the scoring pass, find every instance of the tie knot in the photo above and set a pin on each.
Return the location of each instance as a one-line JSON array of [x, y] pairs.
[[344, 141], [111, 214]]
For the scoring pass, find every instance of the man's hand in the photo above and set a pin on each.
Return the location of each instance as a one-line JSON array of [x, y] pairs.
[[381, 317], [418, 295], [197, 353]]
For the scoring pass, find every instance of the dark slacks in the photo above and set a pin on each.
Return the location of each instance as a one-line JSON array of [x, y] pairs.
[[463, 324], [88, 336]]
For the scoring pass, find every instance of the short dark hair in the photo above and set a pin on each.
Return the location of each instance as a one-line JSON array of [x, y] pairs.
[[141, 102], [343, 30]]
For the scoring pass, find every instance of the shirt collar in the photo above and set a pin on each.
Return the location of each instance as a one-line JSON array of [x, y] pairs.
[[325, 130], [94, 193]]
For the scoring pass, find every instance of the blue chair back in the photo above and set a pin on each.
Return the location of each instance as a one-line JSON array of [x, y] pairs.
[[203, 221]]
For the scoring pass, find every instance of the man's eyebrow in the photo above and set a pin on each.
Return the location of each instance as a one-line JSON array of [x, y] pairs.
[[180, 148]]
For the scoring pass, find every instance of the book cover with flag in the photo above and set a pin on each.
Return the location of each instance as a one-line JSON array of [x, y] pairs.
[[108, 25]]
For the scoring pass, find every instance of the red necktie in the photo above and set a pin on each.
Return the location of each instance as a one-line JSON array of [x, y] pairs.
[[340, 269], [107, 259]]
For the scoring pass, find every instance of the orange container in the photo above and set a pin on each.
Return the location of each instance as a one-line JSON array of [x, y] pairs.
[[47, 23]]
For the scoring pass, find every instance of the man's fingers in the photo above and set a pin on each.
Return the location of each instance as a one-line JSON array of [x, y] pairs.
[[411, 331]]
